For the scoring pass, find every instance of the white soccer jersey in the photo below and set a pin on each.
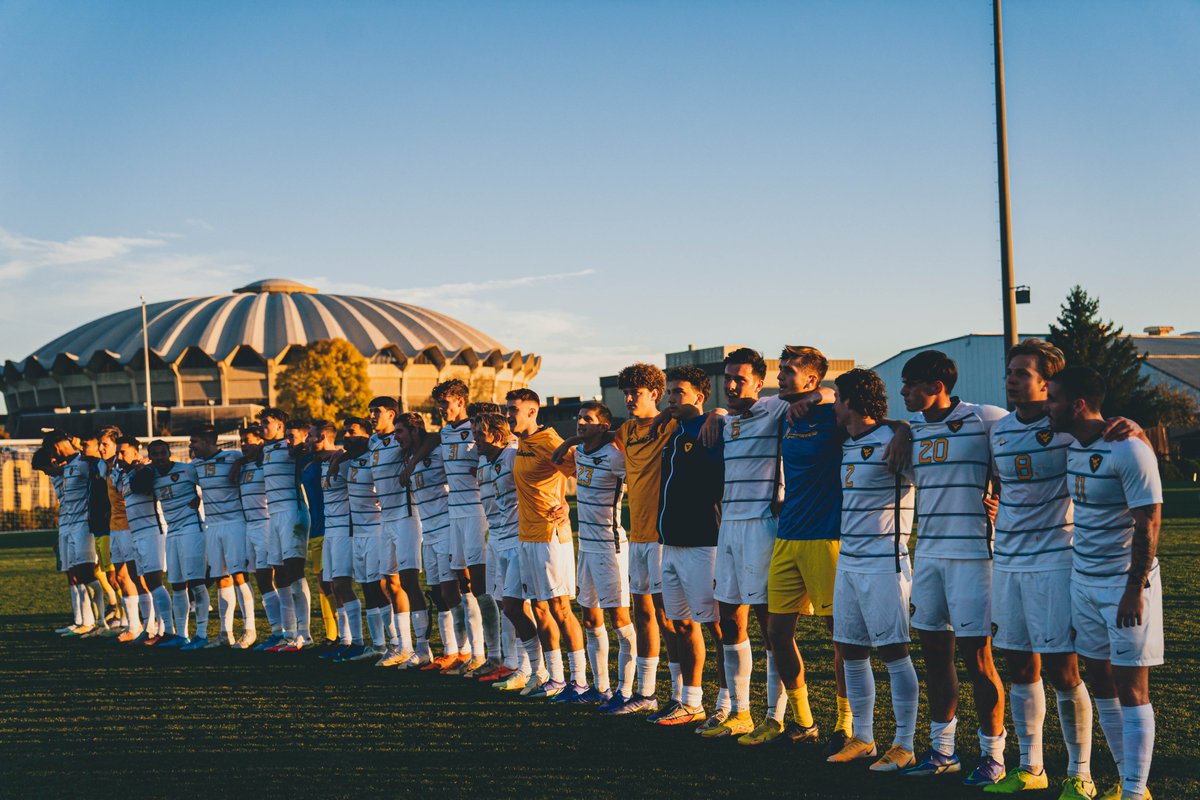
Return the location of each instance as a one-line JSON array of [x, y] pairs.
[[176, 491], [498, 491], [364, 503], [431, 495], [222, 500], [140, 509], [73, 495], [1106, 479], [951, 463], [336, 495], [387, 462], [1033, 526], [599, 487], [753, 461], [877, 506], [461, 460], [281, 476], [253, 491]]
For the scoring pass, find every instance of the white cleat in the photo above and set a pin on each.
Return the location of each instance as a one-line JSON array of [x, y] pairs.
[[64, 630], [224, 640], [417, 661], [394, 657], [245, 641], [372, 653]]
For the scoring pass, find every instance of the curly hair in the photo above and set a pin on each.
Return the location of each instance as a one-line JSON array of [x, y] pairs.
[[642, 376], [455, 387], [412, 421], [864, 392], [697, 377]]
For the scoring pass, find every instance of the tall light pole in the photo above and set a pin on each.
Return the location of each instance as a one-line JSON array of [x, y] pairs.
[[146, 364], [1006, 264]]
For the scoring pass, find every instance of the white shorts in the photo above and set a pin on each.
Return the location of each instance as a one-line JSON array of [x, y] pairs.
[[81, 546], [435, 561], [121, 547], [870, 609], [366, 554], [1031, 611], [687, 583], [185, 555], [258, 549], [645, 568], [504, 572], [399, 545], [285, 542], [468, 538], [150, 552], [226, 546], [1094, 616], [952, 594], [603, 579], [547, 570], [744, 548], [64, 550], [337, 554]]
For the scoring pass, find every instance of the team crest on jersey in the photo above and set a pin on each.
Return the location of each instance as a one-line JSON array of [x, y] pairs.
[[1045, 437], [687, 447], [597, 460], [464, 435], [175, 475], [428, 462], [1094, 461], [955, 425], [867, 451], [386, 441]]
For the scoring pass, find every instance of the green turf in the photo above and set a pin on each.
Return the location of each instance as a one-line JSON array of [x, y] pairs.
[[87, 716]]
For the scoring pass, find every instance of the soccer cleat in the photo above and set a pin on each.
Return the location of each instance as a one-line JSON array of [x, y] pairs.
[[594, 695], [486, 667], [274, 640], [932, 762], [94, 633], [349, 653], [372, 653], [614, 702], [328, 646], [835, 744], [245, 641], [220, 641], [174, 641], [152, 640], [533, 683], [129, 636], [277, 648], [767, 731], [853, 750], [715, 720], [1077, 788], [794, 733], [418, 661], [394, 657], [734, 725], [195, 644], [110, 633], [667, 709], [989, 772], [333, 653], [571, 694], [463, 669], [681, 715], [1115, 794], [292, 646], [513, 683], [82, 630], [498, 674], [66, 629], [894, 760], [547, 690], [441, 662], [1019, 780], [638, 704], [460, 665]]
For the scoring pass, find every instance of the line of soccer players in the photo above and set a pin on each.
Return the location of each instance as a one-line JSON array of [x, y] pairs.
[[1038, 533]]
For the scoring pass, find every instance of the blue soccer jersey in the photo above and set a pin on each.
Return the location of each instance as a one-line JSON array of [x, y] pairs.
[[812, 462]]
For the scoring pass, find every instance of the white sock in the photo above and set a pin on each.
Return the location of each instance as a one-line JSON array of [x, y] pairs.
[[100, 597], [941, 736], [906, 692], [474, 616], [146, 607], [1112, 722], [202, 604], [739, 663], [647, 676], [76, 602], [446, 629], [1028, 701], [85, 606], [302, 600], [376, 624], [287, 611], [578, 662], [626, 647], [343, 622], [508, 639], [777, 702], [1075, 718], [490, 620], [226, 600], [860, 692], [272, 610], [597, 650], [992, 745], [162, 608], [554, 664], [420, 623], [723, 701], [1138, 730], [132, 617], [676, 681], [692, 696], [403, 621], [245, 596], [461, 629], [390, 632], [524, 665], [353, 611], [533, 653], [182, 610]]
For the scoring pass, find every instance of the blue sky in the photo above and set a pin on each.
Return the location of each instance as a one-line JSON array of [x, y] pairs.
[[599, 182]]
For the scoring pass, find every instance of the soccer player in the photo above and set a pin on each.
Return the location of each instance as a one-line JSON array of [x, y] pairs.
[[225, 530], [355, 466], [149, 543], [253, 496], [874, 578], [116, 459], [688, 520], [952, 572], [99, 517], [287, 543], [77, 544], [1116, 590], [546, 552], [400, 538], [319, 446], [177, 489], [337, 557]]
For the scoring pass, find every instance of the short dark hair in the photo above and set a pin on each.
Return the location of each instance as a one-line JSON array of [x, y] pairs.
[[384, 402], [51, 438], [359, 421], [325, 428], [412, 421], [206, 432], [131, 441], [474, 409], [1050, 359], [809, 358], [523, 396], [601, 411], [697, 377], [158, 443], [1082, 383], [253, 429], [744, 355], [298, 424], [642, 376], [864, 392], [455, 387], [271, 412], [931, 366]]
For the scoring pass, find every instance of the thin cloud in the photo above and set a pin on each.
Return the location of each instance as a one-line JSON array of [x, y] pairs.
[[22, 254], [425, 294]]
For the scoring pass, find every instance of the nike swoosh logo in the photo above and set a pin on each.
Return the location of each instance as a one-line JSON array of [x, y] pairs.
[[964, 624], [826, 605], [881, 633], [1123, 652]]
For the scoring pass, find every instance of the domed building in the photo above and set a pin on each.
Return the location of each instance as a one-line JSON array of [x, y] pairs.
[[218, 357]]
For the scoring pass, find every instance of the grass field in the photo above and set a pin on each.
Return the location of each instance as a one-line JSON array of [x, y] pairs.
[[87, 717]]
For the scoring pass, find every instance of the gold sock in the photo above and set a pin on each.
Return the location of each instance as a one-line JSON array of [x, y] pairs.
[[798, 699], [845, 717], [330, 618]]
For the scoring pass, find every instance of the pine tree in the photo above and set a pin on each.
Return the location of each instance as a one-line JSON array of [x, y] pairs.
[[1086, 339]]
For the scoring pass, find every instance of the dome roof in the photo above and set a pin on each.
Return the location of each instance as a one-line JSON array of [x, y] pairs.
[[269, 316]]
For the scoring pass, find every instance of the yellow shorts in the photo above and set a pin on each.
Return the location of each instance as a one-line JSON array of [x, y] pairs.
[[104, 553], [315, 545], [802, 577]]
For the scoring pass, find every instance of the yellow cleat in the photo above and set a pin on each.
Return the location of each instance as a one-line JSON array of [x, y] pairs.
[[853, 750], [513, 683], [894, 760], [1115, 794], [1019, 780], [1077, 788], [768, 731], [736, 725]]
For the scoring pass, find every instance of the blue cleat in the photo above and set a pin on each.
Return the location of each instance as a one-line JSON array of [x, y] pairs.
[[332, 653], [174, 641], [612, 703], [273, 640], [570, 694], [594, 695], [932, 762], [988, 772], [548, 690], [349, 653], [666, 711], [141, 638], [637, 704], [195, 644]]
